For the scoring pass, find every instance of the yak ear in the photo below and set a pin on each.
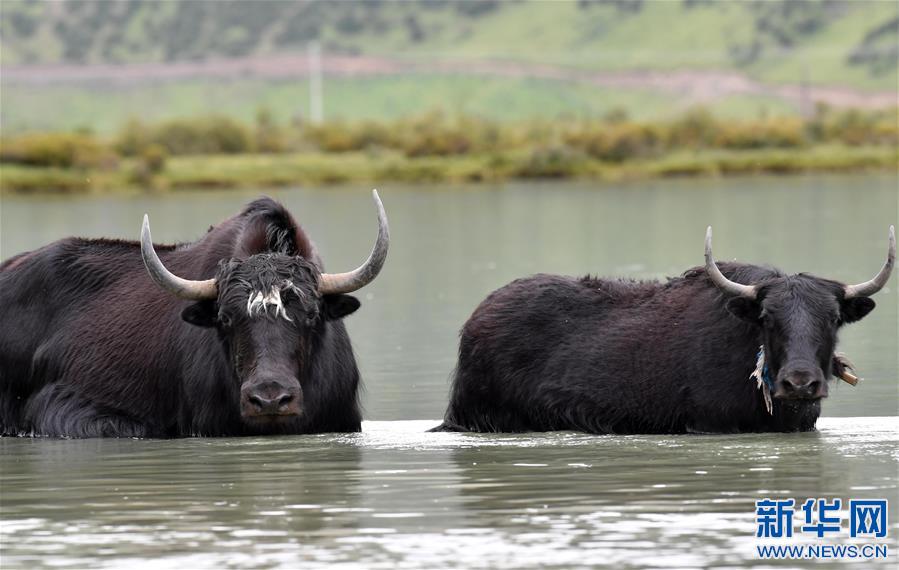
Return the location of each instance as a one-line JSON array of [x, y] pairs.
[[745, 309], [339, 306], [855, 309], [201, 314]]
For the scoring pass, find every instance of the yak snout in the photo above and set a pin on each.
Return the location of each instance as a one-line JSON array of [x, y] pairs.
[[801, 383], [271, 397]]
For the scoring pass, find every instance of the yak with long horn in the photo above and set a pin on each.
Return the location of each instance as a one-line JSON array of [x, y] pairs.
[[238, 333], [729, 347], [331, 283]]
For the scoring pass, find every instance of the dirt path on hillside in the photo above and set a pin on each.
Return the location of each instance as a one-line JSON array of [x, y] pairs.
[[691, 86]]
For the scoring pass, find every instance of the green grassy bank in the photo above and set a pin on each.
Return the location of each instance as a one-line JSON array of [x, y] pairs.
[[217, 151], [274, 170]]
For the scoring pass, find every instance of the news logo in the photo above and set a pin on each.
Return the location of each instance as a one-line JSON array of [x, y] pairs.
[[819, 518]]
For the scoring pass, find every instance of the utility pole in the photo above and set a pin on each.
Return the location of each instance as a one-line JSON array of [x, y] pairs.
[[316, 109], [805, 99]]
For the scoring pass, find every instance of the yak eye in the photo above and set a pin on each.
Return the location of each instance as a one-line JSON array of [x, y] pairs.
[[225, 319]]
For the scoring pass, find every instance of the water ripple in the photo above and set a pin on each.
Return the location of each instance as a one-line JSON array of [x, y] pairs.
[[395, 496]]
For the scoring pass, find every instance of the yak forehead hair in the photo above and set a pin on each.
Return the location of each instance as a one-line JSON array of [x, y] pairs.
[[259, 283], [804, 291], [258, 302]]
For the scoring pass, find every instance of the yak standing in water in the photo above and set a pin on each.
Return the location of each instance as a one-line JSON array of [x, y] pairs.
[[97, 337], [703, 352]]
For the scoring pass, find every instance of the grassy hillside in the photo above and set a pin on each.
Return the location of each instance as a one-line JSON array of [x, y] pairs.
[[104, 109], [849, 43], [828, 45]]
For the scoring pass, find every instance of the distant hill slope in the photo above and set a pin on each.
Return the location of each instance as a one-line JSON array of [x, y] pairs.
[[849, 43]]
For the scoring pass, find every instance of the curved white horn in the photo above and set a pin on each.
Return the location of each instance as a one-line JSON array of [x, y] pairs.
[[722, 282], [333, 283], [868, 288], [182, 288]]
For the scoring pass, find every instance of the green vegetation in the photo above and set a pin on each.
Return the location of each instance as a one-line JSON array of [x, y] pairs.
[[69, 107], [846, 49], [62, 150], [831, 41], [216, 151], [261, 171]]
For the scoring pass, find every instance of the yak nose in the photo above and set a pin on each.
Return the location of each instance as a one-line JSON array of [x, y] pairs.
[[271, 398], [270, 406], [801, 383]]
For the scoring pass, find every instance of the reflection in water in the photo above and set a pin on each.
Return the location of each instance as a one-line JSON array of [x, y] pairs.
[[114, 498], [395, 496]]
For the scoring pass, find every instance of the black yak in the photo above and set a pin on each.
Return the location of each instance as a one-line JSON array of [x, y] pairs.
[[703, 352], [103, 338]]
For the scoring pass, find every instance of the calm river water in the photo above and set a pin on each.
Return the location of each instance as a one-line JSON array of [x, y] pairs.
[[396, 497]]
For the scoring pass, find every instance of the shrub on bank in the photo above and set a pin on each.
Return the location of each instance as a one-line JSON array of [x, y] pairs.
[[779, 133], [696, 128], [208, 135], [204, 135], [488, 149], [337, 136], [133, 137], [430, 134], [556, 161], [434, 137], [150, 163], [60, 150], [854, 127], [269, 136], [619, 141]]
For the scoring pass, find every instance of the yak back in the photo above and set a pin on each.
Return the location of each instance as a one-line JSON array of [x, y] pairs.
[[606, 355]]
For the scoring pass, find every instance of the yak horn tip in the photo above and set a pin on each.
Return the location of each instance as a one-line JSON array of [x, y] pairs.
[[145, 229], [872, 286], [332, 283], [722, 282], [182, 288]]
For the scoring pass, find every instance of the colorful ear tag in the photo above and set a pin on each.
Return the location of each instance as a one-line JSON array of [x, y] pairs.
[[763, 379]]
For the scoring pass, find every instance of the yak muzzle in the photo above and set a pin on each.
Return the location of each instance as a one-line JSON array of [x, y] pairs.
[[270, 398], [801, 384]]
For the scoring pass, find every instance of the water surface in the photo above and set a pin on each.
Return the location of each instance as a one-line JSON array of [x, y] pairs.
[[397, 497]]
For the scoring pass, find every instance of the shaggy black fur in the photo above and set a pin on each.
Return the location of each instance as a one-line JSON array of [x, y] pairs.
[[614, 356], [90, 346]]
